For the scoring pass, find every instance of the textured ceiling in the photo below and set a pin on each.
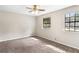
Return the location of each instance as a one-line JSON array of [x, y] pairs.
[[22, 9]]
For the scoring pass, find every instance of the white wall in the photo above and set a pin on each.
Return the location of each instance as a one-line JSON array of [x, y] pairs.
[[13, 25], [57, 29]]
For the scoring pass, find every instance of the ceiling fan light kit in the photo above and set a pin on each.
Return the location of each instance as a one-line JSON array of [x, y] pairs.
[[35, 9]]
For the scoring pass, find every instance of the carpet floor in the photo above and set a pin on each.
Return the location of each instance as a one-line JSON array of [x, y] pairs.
[[27, 45]]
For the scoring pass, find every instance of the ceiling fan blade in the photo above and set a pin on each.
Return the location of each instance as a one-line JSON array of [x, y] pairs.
[[41, 9], [28, 8], [29, 11]]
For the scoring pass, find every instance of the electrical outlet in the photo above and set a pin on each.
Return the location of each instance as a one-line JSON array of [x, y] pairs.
[[55, 38]]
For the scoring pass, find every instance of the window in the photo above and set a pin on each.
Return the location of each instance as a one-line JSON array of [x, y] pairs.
[[72, 21], [46, 22]]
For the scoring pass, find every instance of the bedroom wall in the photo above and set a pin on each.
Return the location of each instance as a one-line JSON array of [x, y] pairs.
[[13, 25], [57, 31]]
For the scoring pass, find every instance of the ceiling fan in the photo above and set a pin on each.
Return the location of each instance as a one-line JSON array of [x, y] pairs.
[[35, 8]]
